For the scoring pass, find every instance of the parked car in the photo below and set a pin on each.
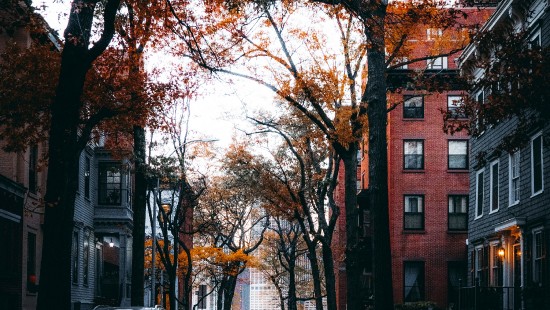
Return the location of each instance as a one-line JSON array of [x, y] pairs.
[[157, 307]]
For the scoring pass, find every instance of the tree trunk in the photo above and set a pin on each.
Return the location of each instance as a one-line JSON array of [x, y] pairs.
[[375, 96], [229, 292], [139, 206], [330, 280], [291, 284], [64, 148], [172, 289], [55, 278], [354, 269], [316, 274]]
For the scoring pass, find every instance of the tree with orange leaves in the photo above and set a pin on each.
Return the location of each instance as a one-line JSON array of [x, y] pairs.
[[297, 182], [323, 81], [234, 224], [78, 91]]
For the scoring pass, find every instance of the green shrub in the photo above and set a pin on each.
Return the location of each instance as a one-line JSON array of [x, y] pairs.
[[419, 305]]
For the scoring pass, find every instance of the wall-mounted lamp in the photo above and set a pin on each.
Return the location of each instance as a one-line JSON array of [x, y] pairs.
[[501, 252], [111, 243]]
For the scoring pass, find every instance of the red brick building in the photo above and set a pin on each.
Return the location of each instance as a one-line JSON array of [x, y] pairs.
[[428, 184]]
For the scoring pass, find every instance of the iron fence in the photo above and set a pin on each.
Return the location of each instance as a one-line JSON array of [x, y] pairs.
[[501, 298]]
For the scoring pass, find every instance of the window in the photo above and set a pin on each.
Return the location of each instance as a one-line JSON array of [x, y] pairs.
[[87, 177], [479, 193], [86, 257], [31, 263], [496, 266], [413, 154], [538, 256], [537, 184], [74, 264], [458, 212], [413, 107], [481, 261], [454, 106], [514, 178], [480, 99], [33, 168], [433, 33], [413, 285], [414, 212], [109, 184], [201, 296], [534, 40], [493, 195], [458, 154], [437, 63]]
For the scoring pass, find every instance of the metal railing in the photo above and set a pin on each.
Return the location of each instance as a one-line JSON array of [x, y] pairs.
[[501, 298], [489, 298]]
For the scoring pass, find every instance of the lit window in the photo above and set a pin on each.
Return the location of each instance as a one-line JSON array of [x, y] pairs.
[[413, 107], [413, 154], [458, 154], [414, 212], [496, 266]]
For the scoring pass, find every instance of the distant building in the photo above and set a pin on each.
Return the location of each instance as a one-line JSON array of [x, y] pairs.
[[509, 206]]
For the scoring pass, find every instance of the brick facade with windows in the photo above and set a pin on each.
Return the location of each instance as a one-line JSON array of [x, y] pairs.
[[428, 186], [428, 189]]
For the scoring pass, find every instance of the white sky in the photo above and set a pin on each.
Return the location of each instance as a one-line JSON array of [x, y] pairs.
[[221, 110]]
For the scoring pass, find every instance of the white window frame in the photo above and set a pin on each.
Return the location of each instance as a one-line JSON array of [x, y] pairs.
[[491, 187], [453, 103], [433, 33], [420, 209], [533, 193], [494, 263], [438, 63], [535, 36], [480, 98], [534, 232], [482, 171], [449, 154], [478, 263], [511, 178]]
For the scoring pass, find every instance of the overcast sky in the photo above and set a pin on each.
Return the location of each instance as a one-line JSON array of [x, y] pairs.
[[217, 114]]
